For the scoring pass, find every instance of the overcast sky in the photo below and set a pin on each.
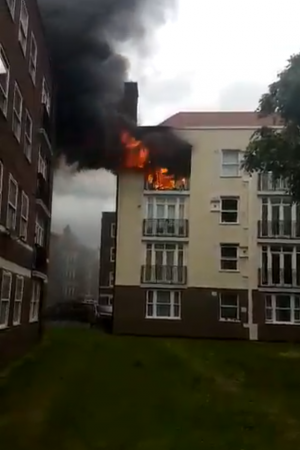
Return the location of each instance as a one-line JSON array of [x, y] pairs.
[[215, 55]]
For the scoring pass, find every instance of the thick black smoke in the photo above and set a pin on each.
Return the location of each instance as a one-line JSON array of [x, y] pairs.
[[89, 74]]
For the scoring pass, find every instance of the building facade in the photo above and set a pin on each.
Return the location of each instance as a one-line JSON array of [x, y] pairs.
[[218, 257], [73, 269], [25, 174], [107, 258]]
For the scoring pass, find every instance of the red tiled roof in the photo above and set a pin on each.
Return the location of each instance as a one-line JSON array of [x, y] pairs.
[[219, 119]]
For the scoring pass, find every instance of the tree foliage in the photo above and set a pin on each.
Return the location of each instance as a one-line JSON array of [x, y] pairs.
[[278, 150]]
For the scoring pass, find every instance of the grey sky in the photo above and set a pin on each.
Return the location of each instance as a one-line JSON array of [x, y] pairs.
[[207, 58]]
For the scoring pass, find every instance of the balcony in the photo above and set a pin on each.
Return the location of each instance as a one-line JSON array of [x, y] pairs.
[[176, 228], [167, 184], [164, 275], [40, 259], [266, 183], [46, 127], [278, 229], [43, 193], [279, 278]]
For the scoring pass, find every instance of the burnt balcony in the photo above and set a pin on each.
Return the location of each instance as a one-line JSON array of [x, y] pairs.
[[46, 126], [40, 259], [279, 278], [158, 274], [176, 228], [43, 192], [278, 229], [167, 184]]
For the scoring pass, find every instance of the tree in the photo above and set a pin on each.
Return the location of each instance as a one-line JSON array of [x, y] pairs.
[[278, 150]]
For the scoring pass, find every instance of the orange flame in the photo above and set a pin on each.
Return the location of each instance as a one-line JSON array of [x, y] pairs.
[[137, 157]]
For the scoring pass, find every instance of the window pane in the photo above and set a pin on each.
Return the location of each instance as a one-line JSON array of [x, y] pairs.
[[230, 171], [230, 156], [163, 297], [228, 251], [297, 315], [149, 310], [176, 311], [283, 301], [229, 300], [163, 310], [269, 317], [268, 301], [229, 217], [229, 204], [227, 264], [229, 313], [283, 315]]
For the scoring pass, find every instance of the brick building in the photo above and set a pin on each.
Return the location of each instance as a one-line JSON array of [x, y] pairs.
[[25, 174]]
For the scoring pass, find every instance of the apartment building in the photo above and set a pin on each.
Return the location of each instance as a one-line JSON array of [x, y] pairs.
[[25, 174], [107, 258], [216, 257]]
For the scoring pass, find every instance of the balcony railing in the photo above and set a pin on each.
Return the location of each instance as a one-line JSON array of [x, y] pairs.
[[43, 192], [164, 275], [166, 228], [274, 277], [40, 259], [178, 185], [267, 183], [284, 229]]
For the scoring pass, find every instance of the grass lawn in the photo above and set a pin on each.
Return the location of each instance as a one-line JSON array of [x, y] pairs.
[[84, 390]]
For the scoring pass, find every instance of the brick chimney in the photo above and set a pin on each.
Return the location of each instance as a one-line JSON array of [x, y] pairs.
[[129, 104]]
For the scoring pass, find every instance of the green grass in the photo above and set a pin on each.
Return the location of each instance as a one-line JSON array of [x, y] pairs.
[[84, 390]]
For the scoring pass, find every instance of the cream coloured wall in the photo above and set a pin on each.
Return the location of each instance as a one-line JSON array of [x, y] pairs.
[[129, 252], [206, 232]]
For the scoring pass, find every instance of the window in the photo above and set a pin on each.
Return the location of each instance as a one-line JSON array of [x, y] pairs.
[[106, 300], [17, 113], [111, 280], [229, 210], [230, 163], [24, 216], [163, 304], [112, 254], [35, 301], [1, 184], [4, 81], [23, 26], [12, 7], [5, 298], [113, 230], [229, 307], [42, 165], [39, 233], [70, 292], [280, 265], [28, 136], [33, 58], [229, 257], [18, 300], [70, 273], [164, 263], [165, 207], [11, 218], [46, 96], [282, 308]]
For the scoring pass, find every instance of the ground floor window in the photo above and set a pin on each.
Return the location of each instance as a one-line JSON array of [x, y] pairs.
[[35, 301], [229, 307], [19, 289], [106, 300], [282, 308], [6, 284], [163, 304]]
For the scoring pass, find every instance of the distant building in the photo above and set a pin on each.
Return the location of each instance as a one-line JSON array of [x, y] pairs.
[[107, 258], [73, 269], [26, 157]]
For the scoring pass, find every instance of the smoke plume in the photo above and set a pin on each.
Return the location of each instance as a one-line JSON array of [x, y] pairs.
[[89, 74]]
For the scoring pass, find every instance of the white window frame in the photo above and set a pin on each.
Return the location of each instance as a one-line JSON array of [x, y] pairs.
[[5, 91], [155, 247], [46, 100], [35, 301], [28, 137], [111, 280], [14, 207], [42, 165], [226, 305], [153, 301], [33, 58], [1, 185], [109, 298], [11, 4], [222, 258], [4, 299], [273, 308], [39, 233], [154, 203], [112, 254], [23, 26], [231, 211], [24, 217], [18, 301], [283, 251], [113, 230], [17, 115], [224, 163]]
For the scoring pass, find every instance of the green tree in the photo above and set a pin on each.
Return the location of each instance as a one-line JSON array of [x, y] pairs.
[[274, 150]]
